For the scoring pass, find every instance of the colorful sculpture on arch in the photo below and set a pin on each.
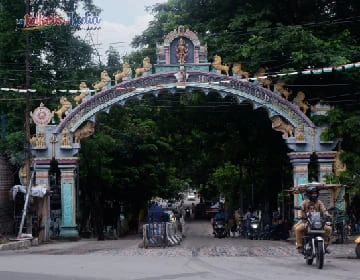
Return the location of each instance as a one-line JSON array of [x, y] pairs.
[[105, 82], [219, 66], [124, 74], [145, 69]]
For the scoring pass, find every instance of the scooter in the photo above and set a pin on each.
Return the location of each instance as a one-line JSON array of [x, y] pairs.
[[220, 228], [357, 248], [254, 232]]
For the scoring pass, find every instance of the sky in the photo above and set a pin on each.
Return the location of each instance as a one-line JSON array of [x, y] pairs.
[[121, 20]]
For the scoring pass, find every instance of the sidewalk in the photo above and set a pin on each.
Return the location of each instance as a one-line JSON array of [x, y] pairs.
[[21, 243]]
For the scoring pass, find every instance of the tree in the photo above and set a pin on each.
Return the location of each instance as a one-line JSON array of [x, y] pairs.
[[58, 59], [113, 59]]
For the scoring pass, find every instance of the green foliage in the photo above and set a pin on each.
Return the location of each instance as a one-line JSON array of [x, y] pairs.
[[58, 59]]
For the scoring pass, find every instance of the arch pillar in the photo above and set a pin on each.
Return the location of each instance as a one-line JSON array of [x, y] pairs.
[[300, 162], [43, 204], [325, 164], [68, 227], [333, 197]]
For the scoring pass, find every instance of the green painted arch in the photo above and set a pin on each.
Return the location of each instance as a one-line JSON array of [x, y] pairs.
[[206, 82]]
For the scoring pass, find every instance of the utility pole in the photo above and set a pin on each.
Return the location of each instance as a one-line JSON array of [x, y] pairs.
[[27, 121], [27, 106]]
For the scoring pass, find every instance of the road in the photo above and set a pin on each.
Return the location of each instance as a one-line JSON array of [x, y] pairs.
[[199, 256]]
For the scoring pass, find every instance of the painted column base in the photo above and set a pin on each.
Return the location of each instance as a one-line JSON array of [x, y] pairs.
[[69, 232]]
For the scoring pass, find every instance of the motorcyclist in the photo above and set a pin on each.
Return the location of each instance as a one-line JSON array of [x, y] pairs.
[[247, 217], [219, 216], [312, 194]]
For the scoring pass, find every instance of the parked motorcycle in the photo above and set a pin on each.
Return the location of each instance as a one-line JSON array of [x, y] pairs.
[[220, 228], [357, 248], [267, 232], [313, 242]]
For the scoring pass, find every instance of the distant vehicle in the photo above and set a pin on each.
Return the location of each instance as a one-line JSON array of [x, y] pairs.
[[171, 214], [191, 196], [171, 204]]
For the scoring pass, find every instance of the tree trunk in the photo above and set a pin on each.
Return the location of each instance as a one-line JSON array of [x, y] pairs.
[[99, 219]]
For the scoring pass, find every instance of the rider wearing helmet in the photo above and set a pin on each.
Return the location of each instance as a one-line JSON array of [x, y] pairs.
[[312, 194]]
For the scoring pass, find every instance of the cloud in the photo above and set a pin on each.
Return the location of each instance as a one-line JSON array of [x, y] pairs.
[[118, 32]]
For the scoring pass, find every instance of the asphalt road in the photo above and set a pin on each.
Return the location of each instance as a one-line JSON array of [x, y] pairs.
[[199, 256]]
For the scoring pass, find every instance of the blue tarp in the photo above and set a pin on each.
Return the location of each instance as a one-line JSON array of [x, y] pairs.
[[157, 215]]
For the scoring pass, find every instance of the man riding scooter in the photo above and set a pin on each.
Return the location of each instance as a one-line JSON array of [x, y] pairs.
[[222, 218], [312, 194]]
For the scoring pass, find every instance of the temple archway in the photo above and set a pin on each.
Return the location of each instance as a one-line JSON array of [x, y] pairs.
[[62, 141]]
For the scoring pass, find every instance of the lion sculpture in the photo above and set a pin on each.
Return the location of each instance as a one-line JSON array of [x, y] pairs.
[[220, 67], [280, 125], [262, 78], [279, 87], [105, 80], [64, 108], [84, 92], [121, 75], [145, 69], [83, 132], [239, 72], [299, 101]]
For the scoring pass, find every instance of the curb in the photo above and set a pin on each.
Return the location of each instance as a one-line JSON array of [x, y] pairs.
[[16, 245]]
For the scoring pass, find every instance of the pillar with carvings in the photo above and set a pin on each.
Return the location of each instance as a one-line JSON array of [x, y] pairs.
[[325, 164], [68, 228], [300, 162], [43, 204]]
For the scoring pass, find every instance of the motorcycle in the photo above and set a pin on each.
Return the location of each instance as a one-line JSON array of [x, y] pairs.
[[313, 242], [254, 232], [220, 228], [187, 213], [267, 233], [357, 248]]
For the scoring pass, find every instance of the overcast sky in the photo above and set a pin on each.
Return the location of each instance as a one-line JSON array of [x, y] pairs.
[[121, 20]]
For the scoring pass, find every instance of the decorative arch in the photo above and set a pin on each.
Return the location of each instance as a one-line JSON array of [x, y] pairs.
[[62, 141], [205, 82]]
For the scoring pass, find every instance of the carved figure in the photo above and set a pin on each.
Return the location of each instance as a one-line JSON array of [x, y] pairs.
[[85, 131], [280, 125], [146, 67], [105, 80], [299, 101], [300, 134], [279, 86], [40, 139], [220, 67], [120, 75], [262, 79], [83, 94], [64, 109], [181, 76], [182, 50], [65, 138], [33, 140], [239, 72]]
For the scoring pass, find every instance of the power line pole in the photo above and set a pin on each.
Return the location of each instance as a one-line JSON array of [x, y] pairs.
[[27, 108]]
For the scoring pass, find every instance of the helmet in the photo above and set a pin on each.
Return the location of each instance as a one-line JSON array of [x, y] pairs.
[[310, 190]]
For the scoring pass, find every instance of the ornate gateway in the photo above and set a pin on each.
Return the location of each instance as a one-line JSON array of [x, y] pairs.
[[181, 64]]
